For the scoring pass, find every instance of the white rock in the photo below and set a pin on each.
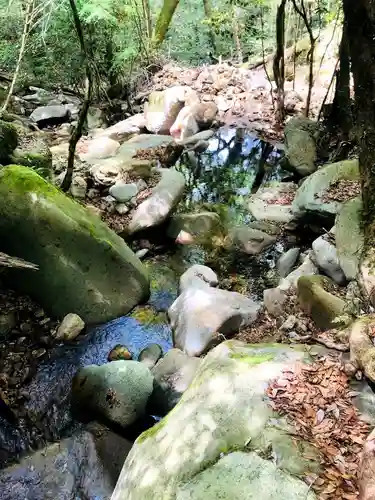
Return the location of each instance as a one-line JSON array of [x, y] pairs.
[[71, 326], [326, 258]]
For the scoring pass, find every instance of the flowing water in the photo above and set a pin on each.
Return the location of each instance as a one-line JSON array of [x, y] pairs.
[[233, 166]]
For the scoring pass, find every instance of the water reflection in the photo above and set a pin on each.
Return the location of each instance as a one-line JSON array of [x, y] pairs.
[[234, 165]]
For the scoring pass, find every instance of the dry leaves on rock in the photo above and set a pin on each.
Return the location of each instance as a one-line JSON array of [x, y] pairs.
[[316, 399], [342, 190]]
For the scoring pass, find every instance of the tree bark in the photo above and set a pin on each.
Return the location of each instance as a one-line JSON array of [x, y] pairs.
[[77, 132], [278, 62], [25, 33], [208, 15], [301, 10], [341, 116], [163, 21], [360, 22]]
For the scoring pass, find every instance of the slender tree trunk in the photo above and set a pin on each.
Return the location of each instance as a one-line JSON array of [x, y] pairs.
[[301, 10], [278, 61], [341, 115], [236, 35], [77, 132], [163, 21], [360, 22], [208, 15], [25, 33], [147, 17]]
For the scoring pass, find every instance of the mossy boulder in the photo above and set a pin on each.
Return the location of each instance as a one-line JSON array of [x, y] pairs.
[[315, 297], [349, 237], [8, 141], [84, 267], [310, 203], [117, 391], [300, 146], [223, 418]]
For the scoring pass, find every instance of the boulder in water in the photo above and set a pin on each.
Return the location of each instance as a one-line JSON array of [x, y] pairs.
[[248, 240], [117, 391], [84, 267], [161, 203], [212, 444], [273, 203], [150, 355], [201, 226]]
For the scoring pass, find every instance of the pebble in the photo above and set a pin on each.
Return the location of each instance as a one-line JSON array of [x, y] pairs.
[[71, 326], [119, 352], [123, 192]]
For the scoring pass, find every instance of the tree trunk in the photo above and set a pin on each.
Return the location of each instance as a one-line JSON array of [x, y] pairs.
[[236, 35], [77, 132], [25, 33], [341, 114], [360, 22], [163, 21], [147, 17], [278, 62], [301, 10], [208, 15]]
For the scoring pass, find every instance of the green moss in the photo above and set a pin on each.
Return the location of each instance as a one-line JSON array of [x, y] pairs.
[[8, 140], [40, 162], [152, 431], [147, 316], [252, 360]]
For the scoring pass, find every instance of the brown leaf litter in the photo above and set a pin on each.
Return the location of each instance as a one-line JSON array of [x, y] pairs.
[[316, 398], [341, 191]]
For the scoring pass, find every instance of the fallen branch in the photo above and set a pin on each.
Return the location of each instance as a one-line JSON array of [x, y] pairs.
[[8, 261]]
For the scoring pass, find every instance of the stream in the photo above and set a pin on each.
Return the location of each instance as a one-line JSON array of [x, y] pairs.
[[235, 164]]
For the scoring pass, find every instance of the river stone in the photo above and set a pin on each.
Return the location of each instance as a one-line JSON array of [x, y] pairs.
[[50, 114], [198, 276], [33, 151], [123, 192], [300, 145], [349, 237], [70, 327], [248, 240], [124, 130], [78, 187], [82, 463], [263, 205], [287, 261], [308, 203], [162, 201], [100, 148], [158, 147], [84, 267], [224, 411], [201, 226], [326, 258], [307, 268], [162, 108], [200, 314], [117, 391], [173, 375], [317, 302], [150, 355], [241, 476]]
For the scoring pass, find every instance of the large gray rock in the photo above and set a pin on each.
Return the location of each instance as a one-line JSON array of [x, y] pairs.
[[57, 113], [123, 192], [326, 258], [268, 204], [99, 148], [162, 201], [287, 261], [84, 465], [309, 202], [124, 130], [201, 313], [242, 476], [158, 147], [162, 108], [248, 240], [223, 412], [196, 276], [300, 145], [84, 267], [349, 237], [117, 391], [173, 375], [200, 226]]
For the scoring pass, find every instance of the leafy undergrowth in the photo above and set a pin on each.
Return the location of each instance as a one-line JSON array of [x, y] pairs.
[[316, 399]]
